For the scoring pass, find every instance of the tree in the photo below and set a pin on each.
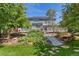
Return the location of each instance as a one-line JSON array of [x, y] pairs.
[[70, 17], [12, 16], [51, 14]]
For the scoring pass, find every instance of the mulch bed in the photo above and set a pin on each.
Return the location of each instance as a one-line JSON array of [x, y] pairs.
[[9, 41], [13, 40]]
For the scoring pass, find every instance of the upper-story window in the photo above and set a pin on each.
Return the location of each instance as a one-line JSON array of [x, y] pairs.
[[37, 24]]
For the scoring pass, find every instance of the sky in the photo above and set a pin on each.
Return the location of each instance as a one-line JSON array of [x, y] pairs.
[[40, 9]]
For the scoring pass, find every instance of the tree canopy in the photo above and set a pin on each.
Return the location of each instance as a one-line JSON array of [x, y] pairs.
[[70, 17], [12, 16], [51, 14]]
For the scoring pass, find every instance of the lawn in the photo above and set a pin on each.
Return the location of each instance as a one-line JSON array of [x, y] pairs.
[[22, 50], [17, 51], [74, 45]]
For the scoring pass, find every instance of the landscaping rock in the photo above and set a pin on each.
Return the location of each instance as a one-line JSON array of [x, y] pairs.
[[57, 51], [76, 37], [56, 48], [65, 46], [9, 41], [51, 52], [14, 40], [76, 50]]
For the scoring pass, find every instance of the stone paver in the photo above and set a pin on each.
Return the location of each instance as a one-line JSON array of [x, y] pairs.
[[76, 50], [65, 46], [51, 52]]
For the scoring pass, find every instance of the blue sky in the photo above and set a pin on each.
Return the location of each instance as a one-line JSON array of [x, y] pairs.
[[40, 9]]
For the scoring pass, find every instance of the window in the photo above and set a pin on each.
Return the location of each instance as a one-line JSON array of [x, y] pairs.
[[37, 24]]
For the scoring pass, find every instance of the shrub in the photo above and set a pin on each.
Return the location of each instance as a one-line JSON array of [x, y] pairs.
[[23, 40], [35, 36], [43, 48]]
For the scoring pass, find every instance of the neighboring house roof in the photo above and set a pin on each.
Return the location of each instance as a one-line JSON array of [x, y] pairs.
[[39, 18]]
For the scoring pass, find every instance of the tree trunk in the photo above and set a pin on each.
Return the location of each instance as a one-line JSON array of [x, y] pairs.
[[4, 34], [8, 34], [0, 33]]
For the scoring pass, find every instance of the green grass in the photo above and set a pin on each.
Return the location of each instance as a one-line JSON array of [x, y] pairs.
[[20, 50], [74, 43], [17, 51], [69, 51]]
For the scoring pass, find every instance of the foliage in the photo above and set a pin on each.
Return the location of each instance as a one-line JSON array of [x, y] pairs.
[[12, 16], [51, 14], [43, 48], [39, 42], [70, 17], [35, 36], [32, 37], [23, 38]]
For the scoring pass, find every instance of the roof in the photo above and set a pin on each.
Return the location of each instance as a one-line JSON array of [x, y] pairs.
[[39, 18]]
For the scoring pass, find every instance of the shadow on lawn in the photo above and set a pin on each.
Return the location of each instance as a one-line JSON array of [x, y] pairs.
[[1, 46]]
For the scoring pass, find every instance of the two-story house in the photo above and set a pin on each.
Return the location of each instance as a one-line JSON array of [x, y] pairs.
[[45, 24], [41, 23]]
